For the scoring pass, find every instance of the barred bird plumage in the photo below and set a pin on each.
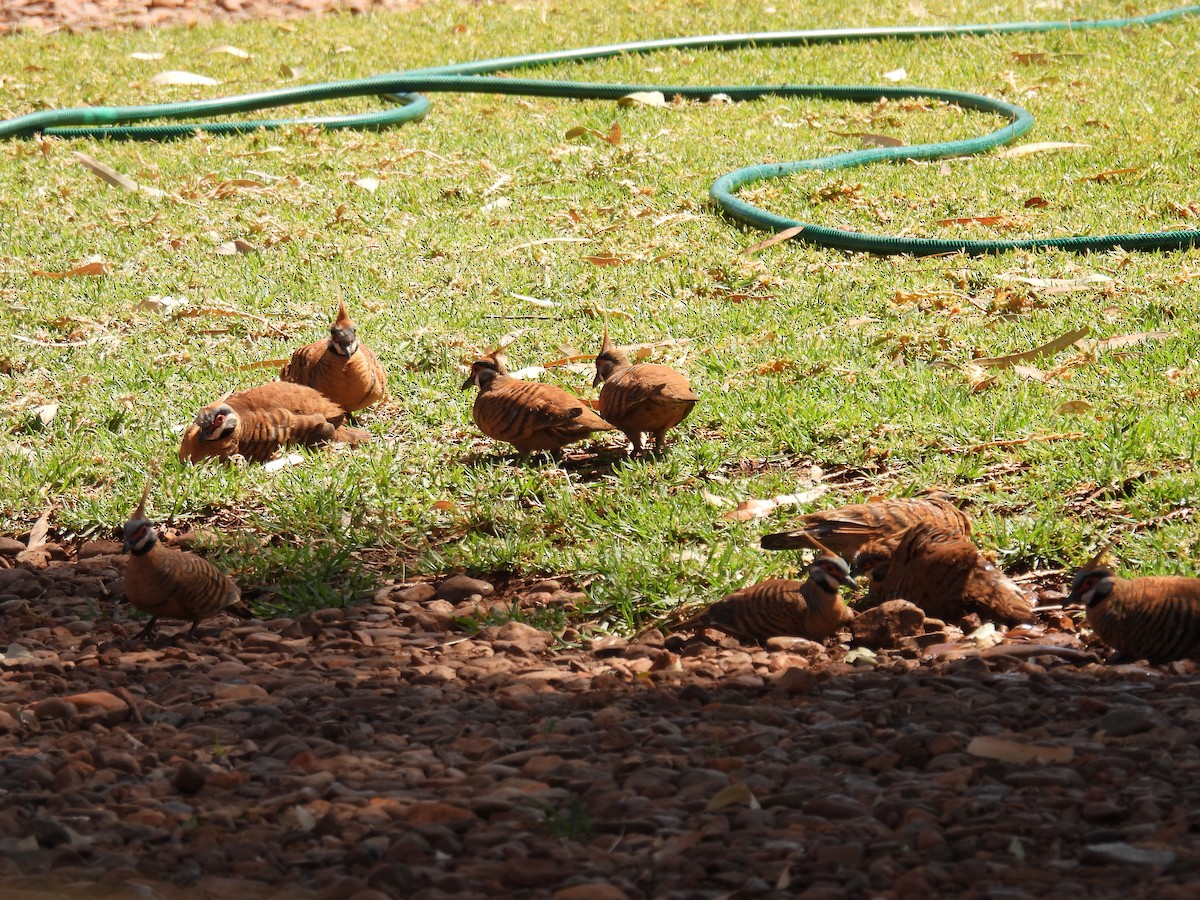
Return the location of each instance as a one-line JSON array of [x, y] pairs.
[[811, 609], [1155, 617], [530, 415], [341, 366], [646, 398], [943, 573], [256, 422], [169, 583], [846, 529]]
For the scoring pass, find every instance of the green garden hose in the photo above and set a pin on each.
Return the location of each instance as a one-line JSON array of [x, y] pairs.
[[402, 89]]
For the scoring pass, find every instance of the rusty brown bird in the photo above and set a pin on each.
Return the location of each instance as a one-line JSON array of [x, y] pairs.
[[810, 609], [170, 583], [941, 572], [529, 415], [256, 422], [1155, 617], [640, 399], [341, 367], [846, 529]]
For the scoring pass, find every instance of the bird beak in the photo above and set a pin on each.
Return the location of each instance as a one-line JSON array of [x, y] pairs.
[[848, 580], [598, 380], [469, 382]]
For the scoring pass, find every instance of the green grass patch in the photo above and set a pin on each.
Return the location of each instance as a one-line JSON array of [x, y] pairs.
[[436, 234]]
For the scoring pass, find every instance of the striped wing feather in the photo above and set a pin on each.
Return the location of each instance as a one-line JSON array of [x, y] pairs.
[[777, 606], [1156, 618], [942, 573], [533, 416], [847, 529], [177, 585], [646, 397]]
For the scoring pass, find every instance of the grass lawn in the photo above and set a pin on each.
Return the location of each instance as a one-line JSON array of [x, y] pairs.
[[817, 370]]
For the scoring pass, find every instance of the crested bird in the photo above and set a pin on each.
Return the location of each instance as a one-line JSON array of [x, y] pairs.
[[846, 529], [810, 609], [1155, 617], [171, 583], [258, 421], [341, 367], [643, 398], [943, 573], [530, 415]]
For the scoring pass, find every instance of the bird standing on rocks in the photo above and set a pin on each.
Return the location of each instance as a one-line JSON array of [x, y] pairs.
[[1155, 617], [256, 422], [342, 367], [810, 609], [941, 572], [846, 529], [163, 581], [530, 415], [643, 398]]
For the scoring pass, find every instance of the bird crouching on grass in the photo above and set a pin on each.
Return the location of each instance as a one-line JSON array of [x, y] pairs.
[[256, 422], [341, 367]]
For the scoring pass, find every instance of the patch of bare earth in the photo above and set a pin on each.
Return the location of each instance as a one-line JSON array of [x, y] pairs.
[[384, 751]]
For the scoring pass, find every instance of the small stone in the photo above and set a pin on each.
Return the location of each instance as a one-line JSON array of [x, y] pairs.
[[414, 593], [189, 778], [99, 548], [238, 693], [796, 681], [20, 582], [530, 872], [1123, 854], [457, 588], [835, 806], [10, 546], [54, 708], [48, 833], [799, 645], [548, 586], [600, 890], [106, 708], [888, 624], [526, 637], [1126, 721]]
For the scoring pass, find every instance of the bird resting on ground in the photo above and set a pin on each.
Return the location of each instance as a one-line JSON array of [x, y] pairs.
[[941, 572], [1155, 617], [530, 415], [341, 367], [170, 583], [810, 609], [643, 398], [256, 422], [846, 529]]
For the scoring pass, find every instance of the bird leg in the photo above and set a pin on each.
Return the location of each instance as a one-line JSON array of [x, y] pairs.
[[145, 632]]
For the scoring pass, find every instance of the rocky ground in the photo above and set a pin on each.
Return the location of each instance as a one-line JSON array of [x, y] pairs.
[[383, 751]]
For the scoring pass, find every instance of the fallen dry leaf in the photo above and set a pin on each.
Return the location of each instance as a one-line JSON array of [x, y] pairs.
[[37, 534], [87, 269], [1059, 343], [230, 50], [873, 140], [45, 414], [368, 184], [608, 259], [283, 462], [1005, 750], [176, 76], [234, 247], [896, 74], [1090, 281], [1129, 340], [1039, 147], [1073, 408], [143, 55], [777, 238], [736, 793], [1111, 174], [643, 98], [115, 178]]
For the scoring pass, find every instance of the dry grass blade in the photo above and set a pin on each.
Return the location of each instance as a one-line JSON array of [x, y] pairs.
[[777, 238], [112, 176]]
